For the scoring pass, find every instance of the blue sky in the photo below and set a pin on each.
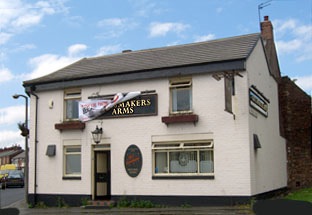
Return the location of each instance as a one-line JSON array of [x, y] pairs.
[[39, 37]]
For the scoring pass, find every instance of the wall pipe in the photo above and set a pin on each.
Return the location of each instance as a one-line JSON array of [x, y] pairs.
[[36, 142]]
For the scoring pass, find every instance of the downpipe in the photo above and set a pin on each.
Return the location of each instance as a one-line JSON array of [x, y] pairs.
[[36, 142]]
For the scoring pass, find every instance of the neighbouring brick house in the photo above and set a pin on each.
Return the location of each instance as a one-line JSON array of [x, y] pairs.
[[6, 154], [295, 107], [295, 117], [19, 161]]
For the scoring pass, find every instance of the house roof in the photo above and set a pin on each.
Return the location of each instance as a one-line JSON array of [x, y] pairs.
[[220, 50], [10, 153]]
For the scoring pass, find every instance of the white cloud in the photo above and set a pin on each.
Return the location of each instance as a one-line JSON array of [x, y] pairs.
[[282, 26], [115, 27], [12, 115], [105, 50], [48, 63], [288, 46], [293, 38], [9, 138], [305, 83], [219, 9], [74, 50], [26, 20], [205, 38], [17, 15], [162, 29], [112, 22], [5, 75], [145, 8], [4, 37]]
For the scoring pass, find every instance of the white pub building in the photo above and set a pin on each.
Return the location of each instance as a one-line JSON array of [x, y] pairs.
[[195, 123]]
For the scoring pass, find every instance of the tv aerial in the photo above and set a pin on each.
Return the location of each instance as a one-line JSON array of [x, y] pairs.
[[261, 6]]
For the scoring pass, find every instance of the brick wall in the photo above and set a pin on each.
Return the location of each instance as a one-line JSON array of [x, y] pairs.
[[295, 107]]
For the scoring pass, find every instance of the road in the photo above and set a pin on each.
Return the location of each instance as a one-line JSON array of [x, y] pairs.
[[11, 195]]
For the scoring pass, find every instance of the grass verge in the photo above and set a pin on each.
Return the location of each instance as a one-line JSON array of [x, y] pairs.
[[302, 195]]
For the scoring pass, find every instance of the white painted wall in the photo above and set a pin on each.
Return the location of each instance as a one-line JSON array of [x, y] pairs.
[[268, 164]]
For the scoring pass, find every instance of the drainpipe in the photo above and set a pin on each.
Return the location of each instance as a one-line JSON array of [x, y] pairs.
[[36, 142]]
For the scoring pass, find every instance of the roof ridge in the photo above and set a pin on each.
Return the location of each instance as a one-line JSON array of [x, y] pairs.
[[175, 46]]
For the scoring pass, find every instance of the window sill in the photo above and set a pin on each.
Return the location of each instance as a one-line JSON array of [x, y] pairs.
[[180, 118], [70, 125], [184, 177], [71, 178]]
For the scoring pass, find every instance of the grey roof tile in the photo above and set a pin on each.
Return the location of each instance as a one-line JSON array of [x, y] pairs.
[[219, 50]]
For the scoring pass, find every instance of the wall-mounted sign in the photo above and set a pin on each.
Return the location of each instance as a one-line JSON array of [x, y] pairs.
[[142, 105], [133, 161], [258, 101]]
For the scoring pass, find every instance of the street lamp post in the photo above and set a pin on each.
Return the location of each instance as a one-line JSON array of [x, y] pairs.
[[16, 96]]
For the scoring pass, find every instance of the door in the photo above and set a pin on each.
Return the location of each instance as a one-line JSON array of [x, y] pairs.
[[102, 175]]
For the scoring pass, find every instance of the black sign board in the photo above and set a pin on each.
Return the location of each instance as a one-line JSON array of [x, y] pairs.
[[142, 105], [133, 161], [258, 101]]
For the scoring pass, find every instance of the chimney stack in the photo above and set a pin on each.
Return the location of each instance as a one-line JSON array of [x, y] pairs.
[[269, 46], [267, 29]]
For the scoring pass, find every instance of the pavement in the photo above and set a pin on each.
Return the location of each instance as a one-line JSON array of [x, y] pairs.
[[21, 208]]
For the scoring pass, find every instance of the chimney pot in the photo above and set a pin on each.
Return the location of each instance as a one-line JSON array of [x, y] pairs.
[[126, 51], [266, 18]]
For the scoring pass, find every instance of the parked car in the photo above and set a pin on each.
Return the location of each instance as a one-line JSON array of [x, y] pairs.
[[15, 178]]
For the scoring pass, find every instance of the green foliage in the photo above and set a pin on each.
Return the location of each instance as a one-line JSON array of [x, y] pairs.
[[60, 202], [84, 201], [41, 205], [302, 195], [185, 205], [125, 203]]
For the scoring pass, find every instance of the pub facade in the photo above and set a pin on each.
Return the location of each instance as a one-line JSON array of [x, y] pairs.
[[195, 123]]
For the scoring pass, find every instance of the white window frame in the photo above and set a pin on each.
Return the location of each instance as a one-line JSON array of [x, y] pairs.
[[67, 153], [168, 147], [71, 95], [175, 86]]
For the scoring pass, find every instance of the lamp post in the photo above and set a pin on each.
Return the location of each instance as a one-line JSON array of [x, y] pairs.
[[25, 134], [97, 134]]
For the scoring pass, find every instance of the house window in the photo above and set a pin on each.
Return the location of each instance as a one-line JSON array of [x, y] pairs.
[[72, 161], [229, 92], [183, 159], [72, 98], [181, 96]]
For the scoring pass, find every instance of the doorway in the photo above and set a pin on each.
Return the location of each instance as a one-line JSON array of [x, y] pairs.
[[102, 175]]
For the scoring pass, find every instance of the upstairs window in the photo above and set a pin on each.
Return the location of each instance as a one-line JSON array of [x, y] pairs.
[[71, 100], [181, 96]]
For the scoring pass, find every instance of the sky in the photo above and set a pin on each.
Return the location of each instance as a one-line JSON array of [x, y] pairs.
[[38, 37]]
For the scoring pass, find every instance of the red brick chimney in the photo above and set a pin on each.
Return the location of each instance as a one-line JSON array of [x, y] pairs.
[[269, 45], [267, 29]]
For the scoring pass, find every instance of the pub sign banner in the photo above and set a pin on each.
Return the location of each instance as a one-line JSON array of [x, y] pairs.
[[92, 109], [122, 105]]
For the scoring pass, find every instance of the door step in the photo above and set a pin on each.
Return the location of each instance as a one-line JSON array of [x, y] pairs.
[[100, 204]]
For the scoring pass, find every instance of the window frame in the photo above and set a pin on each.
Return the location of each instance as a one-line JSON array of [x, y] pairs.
[[65, 154], [71, 94], [178, 146], [177, 84]]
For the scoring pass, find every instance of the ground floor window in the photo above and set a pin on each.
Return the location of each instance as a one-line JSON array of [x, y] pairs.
[[180, 159], [72, 161]]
